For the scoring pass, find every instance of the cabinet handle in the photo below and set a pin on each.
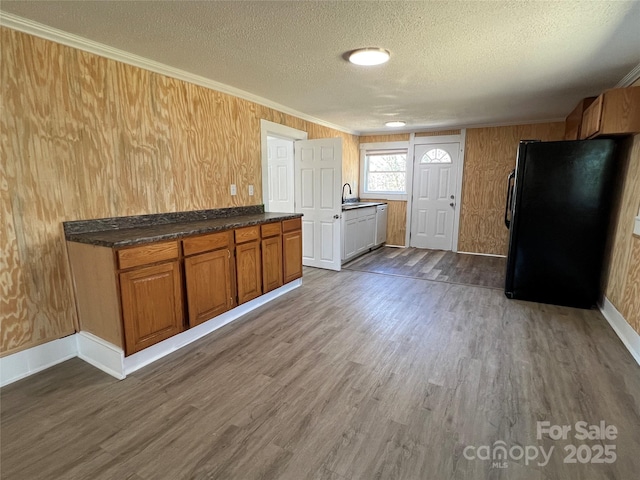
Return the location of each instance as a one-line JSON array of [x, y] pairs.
[[229, 253]]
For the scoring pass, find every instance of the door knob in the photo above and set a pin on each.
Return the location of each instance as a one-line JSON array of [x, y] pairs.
[[336, 216], [452, 204]]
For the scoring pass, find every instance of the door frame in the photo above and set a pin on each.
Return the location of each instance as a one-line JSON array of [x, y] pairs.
[[413, 141], [271, 129]]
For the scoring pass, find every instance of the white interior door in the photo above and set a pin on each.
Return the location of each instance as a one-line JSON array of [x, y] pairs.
[[434, 203], [318, 179], [280, 197]]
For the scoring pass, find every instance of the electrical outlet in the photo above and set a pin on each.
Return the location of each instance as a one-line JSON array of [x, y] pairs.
[[250, 190], [234, 190]]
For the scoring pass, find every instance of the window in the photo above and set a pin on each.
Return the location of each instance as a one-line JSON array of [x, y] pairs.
[[436, 155], [385, 171]]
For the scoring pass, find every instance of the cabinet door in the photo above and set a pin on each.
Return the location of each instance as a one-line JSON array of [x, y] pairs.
[[271, 263], [208, 285], [620, 111], [361, 235], [591, 119], [248, 271], [370, 232], [350, 238], [292, 255], [151, 305]]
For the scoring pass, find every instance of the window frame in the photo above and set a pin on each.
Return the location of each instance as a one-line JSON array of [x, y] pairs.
[[364, 148]]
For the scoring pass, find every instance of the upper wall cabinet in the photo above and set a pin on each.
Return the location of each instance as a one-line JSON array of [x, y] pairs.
[[574, 119], [615, 112]]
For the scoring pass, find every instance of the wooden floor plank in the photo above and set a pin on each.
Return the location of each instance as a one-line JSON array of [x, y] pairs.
[[355, 375], [439, 265]]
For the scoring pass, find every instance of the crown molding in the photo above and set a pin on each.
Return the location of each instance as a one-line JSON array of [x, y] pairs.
[[630, 77], [417, 130], [53, 34]]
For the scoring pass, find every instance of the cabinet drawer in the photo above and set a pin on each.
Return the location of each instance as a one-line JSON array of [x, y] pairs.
[[291, 225], [205, 243], [146, 254], [270, 229], [247, 234]]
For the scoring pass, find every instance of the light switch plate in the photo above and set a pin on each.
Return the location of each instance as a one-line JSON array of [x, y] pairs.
[[234, 190], [636, 229], [250, 190]]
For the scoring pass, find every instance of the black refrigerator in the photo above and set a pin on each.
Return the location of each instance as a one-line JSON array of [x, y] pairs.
[[558, 208]]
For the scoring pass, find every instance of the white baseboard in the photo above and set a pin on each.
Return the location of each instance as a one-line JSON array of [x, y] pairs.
[[155, 352], [483, 254], [627, 334], [101, 354], [27, 362], [109, 358]]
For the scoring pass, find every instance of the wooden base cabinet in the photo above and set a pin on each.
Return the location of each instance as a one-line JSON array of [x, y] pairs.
[[271, 256], [152, 308], [248, 263], [209, 286], [209, 275], [292, 249], [134, 297]]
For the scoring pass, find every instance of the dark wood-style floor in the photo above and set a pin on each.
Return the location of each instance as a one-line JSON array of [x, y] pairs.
[[435, 265], [352, 376]]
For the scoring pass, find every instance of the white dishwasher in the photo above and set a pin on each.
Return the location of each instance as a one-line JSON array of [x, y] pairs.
[[381, 224]]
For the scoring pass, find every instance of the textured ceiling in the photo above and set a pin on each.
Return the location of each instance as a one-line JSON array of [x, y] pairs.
[[452, 63]]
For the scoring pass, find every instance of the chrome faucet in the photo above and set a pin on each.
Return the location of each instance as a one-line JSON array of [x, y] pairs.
[[345, 185]]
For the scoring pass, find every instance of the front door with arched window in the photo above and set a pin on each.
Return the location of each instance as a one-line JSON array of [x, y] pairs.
[[433, 202]]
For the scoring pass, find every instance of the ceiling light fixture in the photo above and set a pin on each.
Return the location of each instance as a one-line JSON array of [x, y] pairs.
[[369, 56], [395, 124]]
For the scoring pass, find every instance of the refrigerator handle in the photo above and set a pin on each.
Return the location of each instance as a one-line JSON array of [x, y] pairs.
[[507, 207]]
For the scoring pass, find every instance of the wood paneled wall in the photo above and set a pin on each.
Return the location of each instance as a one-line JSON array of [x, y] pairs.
[[83, 136], [622, 283], [392, 137], [439, 133], [490, 154]]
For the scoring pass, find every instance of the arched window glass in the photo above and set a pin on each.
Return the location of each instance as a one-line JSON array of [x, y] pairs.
[[436, 155]]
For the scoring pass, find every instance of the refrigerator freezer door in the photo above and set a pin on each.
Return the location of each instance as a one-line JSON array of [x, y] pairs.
[[562, 203]]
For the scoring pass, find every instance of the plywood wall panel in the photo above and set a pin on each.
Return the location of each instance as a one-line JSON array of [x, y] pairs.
[[87, 137], [53, 133], [630, 308], [392, 137], [15, 327], [439, 133], [490, 155], [96, 97], [622, 281]]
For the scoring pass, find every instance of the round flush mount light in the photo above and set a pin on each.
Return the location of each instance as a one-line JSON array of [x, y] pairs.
[[395, 124], [369, 56]]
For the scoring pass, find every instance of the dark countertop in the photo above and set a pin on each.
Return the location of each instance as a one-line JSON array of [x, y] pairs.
[[353, 205], [124, 237]]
